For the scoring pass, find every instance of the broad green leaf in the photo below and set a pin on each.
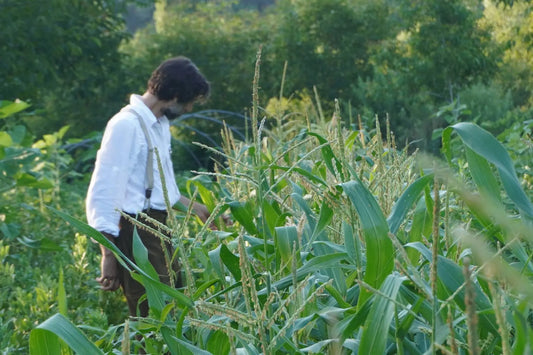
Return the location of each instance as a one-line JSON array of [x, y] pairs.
[[485, 145], [337, 296], [140, 254], [451, 277], [8, 108], [203, 287], [205, 194], [285, 239], [406, 323], [44, 244], [310, 226], [5, 139], [421, 226], [523, 333], [44, 338], [483, 176], [25, 179], [425, 309], [18, 134], [179, 346], [309, 175], [61, 294], [353, 244], [351, 323], [318, 347], [324, 219], [379, 250], [328, 156], [376, 328], [242, 212], [316, 264], [271, 216], [404, 203], [216, 261], [218, 343], [231, 261]]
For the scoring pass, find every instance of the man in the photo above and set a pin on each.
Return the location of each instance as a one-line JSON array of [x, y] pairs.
[[122, 174]]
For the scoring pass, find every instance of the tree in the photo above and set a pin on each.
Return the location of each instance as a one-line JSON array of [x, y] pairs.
[[439, 49], [511, 29], [327, 43], [62, 55]]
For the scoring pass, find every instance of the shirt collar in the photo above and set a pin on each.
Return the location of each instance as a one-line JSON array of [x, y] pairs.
[[139, 106]]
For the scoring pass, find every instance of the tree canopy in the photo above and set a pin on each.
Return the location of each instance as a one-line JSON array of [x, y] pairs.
[[76, 64]]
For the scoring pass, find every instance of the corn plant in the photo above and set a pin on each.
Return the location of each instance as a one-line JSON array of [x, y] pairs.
[[341, 243]]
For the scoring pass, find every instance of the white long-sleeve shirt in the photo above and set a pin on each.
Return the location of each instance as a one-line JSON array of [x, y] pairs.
[[119, 178]]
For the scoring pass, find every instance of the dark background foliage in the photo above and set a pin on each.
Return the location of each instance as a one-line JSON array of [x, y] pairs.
[[76, 62]]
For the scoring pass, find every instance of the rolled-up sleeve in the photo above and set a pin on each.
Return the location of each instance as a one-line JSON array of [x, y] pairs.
[[107, 189]]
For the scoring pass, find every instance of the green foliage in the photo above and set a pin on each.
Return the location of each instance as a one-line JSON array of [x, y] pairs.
[[36, 247], [404, 60], [212, 35], [510, 26], [337, 235], [492, 106], [55, 54], [327, 44], [312, 263]]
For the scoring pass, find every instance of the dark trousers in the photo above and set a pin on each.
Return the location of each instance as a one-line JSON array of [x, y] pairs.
[[133, 290]]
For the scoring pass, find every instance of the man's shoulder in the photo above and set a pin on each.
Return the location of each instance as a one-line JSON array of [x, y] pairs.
[[123, 119]]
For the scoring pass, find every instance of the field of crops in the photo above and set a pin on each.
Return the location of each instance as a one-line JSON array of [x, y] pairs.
[[340, 243]]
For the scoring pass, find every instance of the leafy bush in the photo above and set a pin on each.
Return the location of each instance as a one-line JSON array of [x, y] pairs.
[[489, 106], [35, 246]]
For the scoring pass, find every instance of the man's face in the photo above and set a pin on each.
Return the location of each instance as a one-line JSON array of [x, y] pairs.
[[176, 109]]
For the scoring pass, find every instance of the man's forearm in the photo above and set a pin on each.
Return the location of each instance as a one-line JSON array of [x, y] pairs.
[[103, 249]]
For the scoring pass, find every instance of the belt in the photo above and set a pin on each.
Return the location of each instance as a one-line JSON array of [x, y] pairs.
[[150, 212]]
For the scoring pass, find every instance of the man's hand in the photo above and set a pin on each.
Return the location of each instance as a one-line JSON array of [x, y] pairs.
[[109, 268]]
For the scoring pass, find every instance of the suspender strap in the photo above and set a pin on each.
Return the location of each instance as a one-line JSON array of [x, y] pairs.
[[149, 160]]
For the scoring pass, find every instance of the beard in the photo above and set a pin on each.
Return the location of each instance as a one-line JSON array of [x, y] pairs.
[[173, 112]]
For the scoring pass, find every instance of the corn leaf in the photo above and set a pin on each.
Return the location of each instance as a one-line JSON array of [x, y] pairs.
[[316, 264], [374, 335], [523, 337], [451, 277], [140, 253], [231, 261], [353, 244], [328, 156], [205, 194], [482, 175], [271, 216], [309, 175], [404, 203], [179, 346], [324, 219], [242, 212], [484, 144], [44, 340], [351, 323], [379, 250], [62, 294], [285, 239], [421, 226]]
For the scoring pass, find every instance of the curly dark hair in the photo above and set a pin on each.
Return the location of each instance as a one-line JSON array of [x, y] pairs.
[[178, 77]]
